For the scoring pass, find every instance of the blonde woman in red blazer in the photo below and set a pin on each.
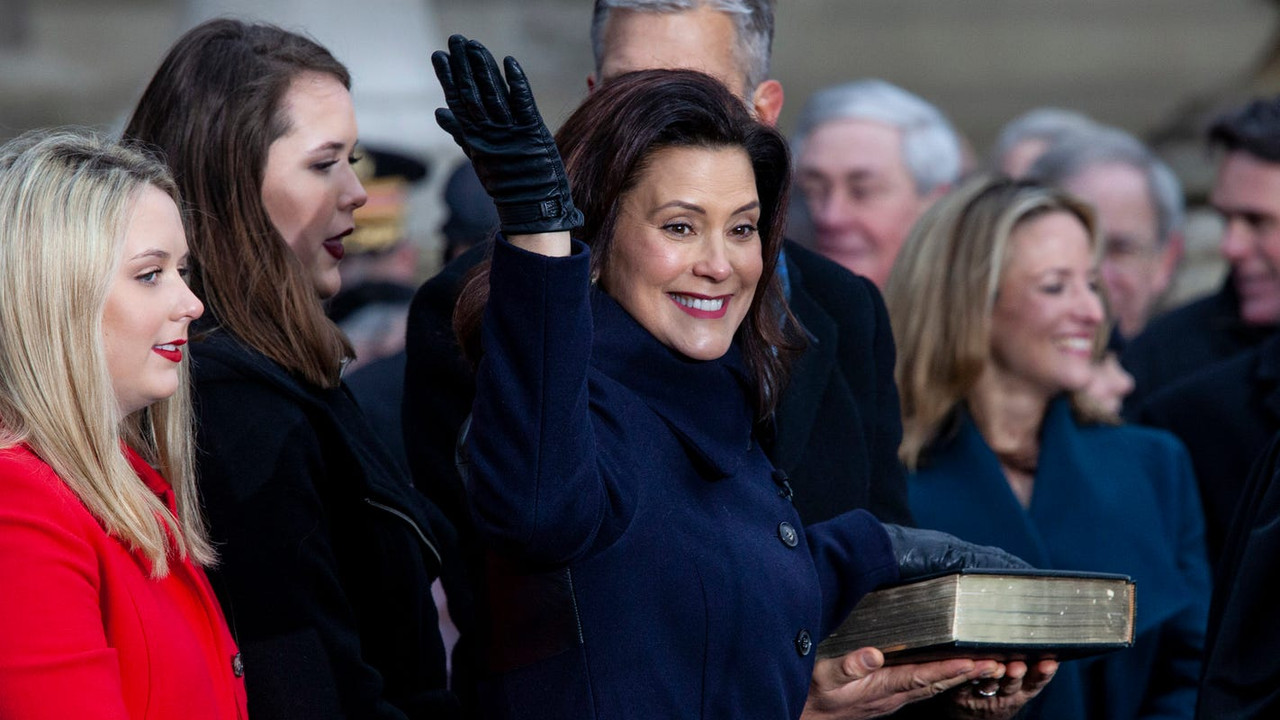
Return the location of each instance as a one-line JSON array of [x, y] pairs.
[[105, 611]]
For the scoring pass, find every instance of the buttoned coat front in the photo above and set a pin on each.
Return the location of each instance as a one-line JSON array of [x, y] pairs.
[[87, 632], [1117, 499], [603, 457]]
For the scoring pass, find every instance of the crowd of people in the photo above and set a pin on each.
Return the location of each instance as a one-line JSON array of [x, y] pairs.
[[684, 391]]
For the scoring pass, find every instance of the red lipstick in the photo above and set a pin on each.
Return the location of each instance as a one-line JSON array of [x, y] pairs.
[[171, 351]]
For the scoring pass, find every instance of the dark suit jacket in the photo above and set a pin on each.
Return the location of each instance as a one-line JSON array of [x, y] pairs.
[[1226, 414], [1106, 499], [1241, 679], [839, 424], [1185, 340]]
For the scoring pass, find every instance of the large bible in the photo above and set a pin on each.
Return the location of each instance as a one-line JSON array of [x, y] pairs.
[[997, 614]]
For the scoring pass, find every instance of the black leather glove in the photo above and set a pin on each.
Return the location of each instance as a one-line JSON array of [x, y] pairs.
[[498, 126], [927, 552]]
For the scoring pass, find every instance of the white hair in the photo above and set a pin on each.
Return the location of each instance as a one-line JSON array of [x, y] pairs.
[[930, 146]]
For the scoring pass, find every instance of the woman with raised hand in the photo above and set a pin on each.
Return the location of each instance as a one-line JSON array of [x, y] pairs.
[[997, 316], [105, 609], [328, 552], [645, 557]]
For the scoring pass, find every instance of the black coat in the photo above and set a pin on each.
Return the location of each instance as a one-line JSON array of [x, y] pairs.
[[1185, 340], [1241, 678], [327, 553], [1226, 415], [378, 387]]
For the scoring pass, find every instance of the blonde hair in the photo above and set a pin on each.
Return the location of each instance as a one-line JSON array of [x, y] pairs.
[[942, 291], [66, 199]]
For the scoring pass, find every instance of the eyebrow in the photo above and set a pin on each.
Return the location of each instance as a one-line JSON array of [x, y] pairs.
[[698, 209], [331, 146], [152, 253]]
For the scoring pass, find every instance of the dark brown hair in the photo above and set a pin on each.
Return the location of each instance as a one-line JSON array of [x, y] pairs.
[[212, 109], [606, 144]]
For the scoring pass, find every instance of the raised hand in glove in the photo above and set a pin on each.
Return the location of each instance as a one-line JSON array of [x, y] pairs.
[[926, 552], [498, 126]]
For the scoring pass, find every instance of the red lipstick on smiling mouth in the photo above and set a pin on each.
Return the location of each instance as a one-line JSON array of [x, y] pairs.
[[702, 306], [334, 245], [171, 351]]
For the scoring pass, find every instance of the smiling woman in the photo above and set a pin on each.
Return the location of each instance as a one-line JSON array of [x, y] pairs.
[[631, 517], [106, 611], [149, 306], [997, 315], [688, 254]]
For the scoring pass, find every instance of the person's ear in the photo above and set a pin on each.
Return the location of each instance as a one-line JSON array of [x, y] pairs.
[[591, 82], [1167, 263], [767, 102]]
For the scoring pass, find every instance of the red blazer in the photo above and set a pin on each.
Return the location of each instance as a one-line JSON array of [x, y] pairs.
[[85, 632]]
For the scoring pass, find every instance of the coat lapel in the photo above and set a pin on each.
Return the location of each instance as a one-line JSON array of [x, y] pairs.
[[962, 490], [1267, 374], [704, 403], [810, 376]]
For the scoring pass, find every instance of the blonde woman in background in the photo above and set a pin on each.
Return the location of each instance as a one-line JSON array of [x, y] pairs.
[[996, 313], [105, 610]]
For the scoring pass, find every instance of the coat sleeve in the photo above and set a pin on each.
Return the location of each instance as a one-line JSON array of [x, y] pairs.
[[534, 488], [278, 577], [853, 556], [56, 662]]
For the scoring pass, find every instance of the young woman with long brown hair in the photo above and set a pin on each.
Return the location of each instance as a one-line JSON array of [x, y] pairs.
[[328, 552]]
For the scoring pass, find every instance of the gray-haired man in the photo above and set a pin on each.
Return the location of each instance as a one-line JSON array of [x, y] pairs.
[[870, 158]]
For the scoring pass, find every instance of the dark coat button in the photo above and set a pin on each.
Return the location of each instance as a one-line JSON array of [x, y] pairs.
[[788, 535], [237, 665], [804, 643]]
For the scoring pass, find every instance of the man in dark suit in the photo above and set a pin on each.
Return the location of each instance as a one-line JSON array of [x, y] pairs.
[[1225, 415], [1247, 308], [1241, 676], [1210, 372]]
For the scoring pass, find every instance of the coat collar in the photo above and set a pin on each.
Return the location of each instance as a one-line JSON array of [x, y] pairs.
[[1065, 528], [218, 355], [153, 479], [705, 403]]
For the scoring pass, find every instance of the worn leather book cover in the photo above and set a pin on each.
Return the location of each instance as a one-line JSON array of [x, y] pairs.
[[999, 614]]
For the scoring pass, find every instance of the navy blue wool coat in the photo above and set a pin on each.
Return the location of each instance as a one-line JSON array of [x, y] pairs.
[[630, 472], [1107, 498]]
